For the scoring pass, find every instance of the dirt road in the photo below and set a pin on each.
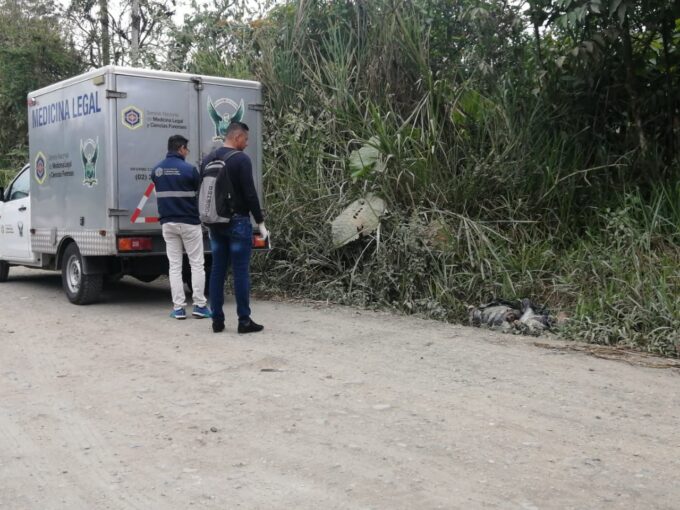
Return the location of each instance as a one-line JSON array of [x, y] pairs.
[[116, 406]]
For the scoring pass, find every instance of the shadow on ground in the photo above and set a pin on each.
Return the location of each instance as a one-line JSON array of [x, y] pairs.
[[126, 291]]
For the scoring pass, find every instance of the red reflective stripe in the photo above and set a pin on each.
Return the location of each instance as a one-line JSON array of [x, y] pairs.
[[142, 202]]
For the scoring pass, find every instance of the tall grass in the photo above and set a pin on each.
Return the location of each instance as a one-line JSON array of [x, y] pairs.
[[6, 175], [490, 191]]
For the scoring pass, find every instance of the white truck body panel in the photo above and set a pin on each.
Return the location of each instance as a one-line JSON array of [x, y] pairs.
[[94, 139]]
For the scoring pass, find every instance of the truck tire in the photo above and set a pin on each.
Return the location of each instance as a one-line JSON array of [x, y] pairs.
[[4, 271], [80, 288]]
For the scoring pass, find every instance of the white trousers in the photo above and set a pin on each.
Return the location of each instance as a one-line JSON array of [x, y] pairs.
[[180, 237]]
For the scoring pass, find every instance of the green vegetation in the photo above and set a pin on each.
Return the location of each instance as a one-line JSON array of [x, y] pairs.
[[525, 151], [33, 53], [504, 174], [6, 177]]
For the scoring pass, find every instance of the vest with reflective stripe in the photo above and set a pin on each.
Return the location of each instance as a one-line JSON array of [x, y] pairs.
[[177, 183]]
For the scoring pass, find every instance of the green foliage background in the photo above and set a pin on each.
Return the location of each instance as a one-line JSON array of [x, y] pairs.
[[512, 166], [34, 52], [522, 151]]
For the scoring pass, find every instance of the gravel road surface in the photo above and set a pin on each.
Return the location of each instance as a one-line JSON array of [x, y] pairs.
[[117, 406]]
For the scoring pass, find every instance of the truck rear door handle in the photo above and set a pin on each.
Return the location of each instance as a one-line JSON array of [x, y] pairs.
[[22, 208]]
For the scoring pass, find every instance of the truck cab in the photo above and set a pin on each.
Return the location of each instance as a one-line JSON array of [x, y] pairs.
[[15, 224]]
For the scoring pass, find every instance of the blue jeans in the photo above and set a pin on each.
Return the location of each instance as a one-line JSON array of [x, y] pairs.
[[231, 243]]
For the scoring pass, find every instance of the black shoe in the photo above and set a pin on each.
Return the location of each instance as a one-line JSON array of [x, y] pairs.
[[217, 326], [251, 327]]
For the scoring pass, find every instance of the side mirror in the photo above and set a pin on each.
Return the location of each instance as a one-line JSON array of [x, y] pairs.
[[2, 194]]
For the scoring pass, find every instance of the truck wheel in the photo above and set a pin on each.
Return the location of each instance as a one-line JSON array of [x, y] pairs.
[[80, 288], [4, 271]]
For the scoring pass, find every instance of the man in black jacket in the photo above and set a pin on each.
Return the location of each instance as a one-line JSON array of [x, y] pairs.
[[232, 242]]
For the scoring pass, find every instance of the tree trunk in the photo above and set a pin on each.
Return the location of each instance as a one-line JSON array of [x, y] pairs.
[[537, 38], [631, 86], [667, 31], [106, 40], [134, 50]]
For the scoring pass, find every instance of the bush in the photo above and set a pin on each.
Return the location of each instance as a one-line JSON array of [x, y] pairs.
[[492, 190]]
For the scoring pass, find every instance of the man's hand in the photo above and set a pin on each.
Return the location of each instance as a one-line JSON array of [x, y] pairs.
[[264, 233]]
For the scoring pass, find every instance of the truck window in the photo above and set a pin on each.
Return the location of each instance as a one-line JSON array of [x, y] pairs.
[[20, 187]]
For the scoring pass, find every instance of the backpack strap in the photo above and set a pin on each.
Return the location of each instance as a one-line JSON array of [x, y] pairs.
[[213, 157], [226, 158]]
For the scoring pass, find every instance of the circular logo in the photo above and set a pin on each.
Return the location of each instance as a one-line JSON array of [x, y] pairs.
[[132, 117], [159, 172], [39, 165], [40, 168]]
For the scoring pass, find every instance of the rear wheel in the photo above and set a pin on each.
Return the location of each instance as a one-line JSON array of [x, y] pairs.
[[80, 288], [4, 270]]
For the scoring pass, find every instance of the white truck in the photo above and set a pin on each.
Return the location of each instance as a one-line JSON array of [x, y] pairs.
[[84, 204]]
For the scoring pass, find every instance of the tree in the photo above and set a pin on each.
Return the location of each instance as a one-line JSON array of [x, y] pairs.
[[218, 38], [34, 52], [136, 19], [106, 39], [133, 32], [618, 61]]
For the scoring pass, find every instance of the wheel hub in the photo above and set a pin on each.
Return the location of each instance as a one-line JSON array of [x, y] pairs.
[[73, 274]]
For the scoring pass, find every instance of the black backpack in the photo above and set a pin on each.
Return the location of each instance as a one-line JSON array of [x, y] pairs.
[[216, 200]]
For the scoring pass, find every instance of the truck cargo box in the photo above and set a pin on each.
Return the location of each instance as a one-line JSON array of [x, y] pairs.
[[93, 142]]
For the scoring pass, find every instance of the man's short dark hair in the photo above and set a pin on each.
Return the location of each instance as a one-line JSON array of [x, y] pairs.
[[236, 127], [176, 142]]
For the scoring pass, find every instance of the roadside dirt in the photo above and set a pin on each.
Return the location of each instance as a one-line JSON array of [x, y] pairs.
[[116, 406]]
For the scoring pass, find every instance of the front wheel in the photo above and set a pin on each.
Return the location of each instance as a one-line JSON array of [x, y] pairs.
[[80, 288], [4, 271]]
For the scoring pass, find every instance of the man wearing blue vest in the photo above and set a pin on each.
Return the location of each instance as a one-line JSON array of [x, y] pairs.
[[177, 183]]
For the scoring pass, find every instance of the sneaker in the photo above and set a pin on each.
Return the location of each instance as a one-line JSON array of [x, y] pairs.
[[217, 326], [251, 327], [179, 314], [201, 312]]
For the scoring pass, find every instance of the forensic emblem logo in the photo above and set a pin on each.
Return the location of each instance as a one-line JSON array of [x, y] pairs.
[[132, 117], [222, 120], [89, 151], [159, 172], [40, 165]]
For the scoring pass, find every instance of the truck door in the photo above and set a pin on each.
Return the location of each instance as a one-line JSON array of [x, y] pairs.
[[153, 109], [219, 104], [15, 219]]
